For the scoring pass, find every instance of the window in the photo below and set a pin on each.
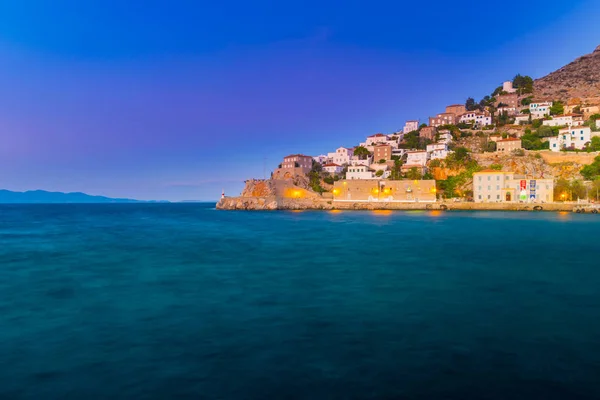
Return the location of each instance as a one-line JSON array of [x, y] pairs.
[[479, 197], [489, 197], [479, 187], [489, 188], [489, 178], [497, 187], [497, 197], [480, 180]]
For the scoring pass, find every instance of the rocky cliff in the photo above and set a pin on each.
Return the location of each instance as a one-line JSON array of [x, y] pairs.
[[581, 79]]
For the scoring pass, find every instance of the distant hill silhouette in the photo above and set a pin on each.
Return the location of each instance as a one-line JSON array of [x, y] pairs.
[[42, 196]]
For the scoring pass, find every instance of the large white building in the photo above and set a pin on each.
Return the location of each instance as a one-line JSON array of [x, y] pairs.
[[376, 139], [341, 156], [417, 158], [574, 137], [490, 186], [410, 126], [477, 118], [437, 151], [540, 109], [333, 169], [359, 172], [565, 120]]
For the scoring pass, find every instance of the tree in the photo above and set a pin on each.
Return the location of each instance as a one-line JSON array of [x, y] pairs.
[[524, 84], [379, 173], [361, 152], [491, 146], [592, 171], [557, 108], [382, 161], [471, 105], [577, 110], [461, 153], [396, 170], [413, 174], [527, 101], [594, 145], [545, 131]]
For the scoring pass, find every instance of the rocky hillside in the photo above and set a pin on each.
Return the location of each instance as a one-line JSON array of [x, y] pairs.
[[581, 78]]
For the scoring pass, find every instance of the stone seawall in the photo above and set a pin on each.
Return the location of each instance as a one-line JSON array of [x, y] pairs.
[[275, 203]]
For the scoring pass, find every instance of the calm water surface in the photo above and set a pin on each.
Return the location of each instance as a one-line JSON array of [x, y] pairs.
[[182, 301]]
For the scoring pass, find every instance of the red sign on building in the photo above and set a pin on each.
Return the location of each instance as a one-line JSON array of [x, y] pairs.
[[523, 184]]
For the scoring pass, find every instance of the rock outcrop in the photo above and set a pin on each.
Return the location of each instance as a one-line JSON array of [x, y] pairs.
[[581, 79]]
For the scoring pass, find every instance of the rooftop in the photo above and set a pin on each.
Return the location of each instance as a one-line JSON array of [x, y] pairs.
[[297, 155]]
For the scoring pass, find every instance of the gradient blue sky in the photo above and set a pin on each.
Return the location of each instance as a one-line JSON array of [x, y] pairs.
[[179, 99]]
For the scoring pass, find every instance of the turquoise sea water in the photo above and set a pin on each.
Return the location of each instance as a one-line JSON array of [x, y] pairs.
[[165, 301]]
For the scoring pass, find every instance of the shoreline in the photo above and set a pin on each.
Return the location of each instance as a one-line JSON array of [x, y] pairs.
[[275, 203]]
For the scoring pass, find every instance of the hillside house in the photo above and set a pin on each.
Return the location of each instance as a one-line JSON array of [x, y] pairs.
[[297, 161], [540, 109], [359, 172], [333, 169], [571, 138], [410, 126], [507, 145], [565, 120]]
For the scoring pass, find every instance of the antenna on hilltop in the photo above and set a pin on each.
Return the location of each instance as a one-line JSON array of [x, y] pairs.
[[264, 167]]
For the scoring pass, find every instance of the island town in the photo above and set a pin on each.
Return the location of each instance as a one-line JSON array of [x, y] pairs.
[[510, 150]]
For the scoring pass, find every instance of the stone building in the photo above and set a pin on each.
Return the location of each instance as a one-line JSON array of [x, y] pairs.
[[490, 186], [507, 145], [385, 190], [382, 152]]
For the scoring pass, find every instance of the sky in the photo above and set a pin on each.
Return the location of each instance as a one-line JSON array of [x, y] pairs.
[[179, 100]]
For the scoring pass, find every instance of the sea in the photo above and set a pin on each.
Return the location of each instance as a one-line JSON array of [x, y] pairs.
[[182, 301]]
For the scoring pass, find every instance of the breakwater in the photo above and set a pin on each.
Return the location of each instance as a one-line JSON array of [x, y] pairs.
[[277, 203]]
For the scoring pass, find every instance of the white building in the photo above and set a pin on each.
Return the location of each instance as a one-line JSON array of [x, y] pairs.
[[322, 159], [359, 172], [437, 151], [540, 109], [399, 152], [355, 160], [507, 110], [381, 167], [522, 119], [490, 186], [333, 169], [341, 156], [417, 158], [565, 120], [376, 139], [574, 137], [477, 118], [410, 126]]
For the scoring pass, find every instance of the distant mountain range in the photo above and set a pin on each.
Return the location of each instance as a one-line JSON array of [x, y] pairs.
[[42, 196]]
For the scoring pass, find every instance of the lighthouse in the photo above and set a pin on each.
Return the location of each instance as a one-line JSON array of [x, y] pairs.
[[223, 194]]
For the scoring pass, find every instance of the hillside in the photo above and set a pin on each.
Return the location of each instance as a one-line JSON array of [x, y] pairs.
[[581, 79], [42, 196]]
